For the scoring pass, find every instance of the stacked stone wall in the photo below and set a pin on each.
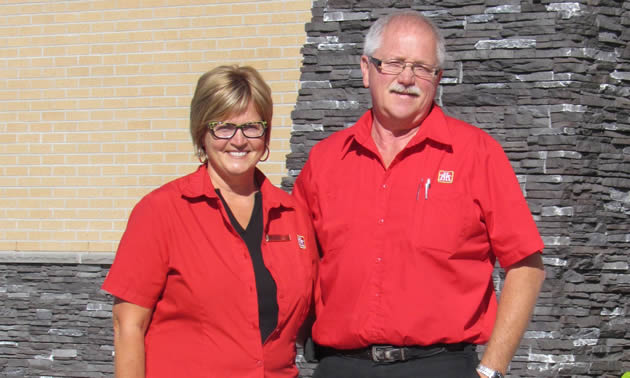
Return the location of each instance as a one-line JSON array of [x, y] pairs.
[[549, 81], [54, 319]]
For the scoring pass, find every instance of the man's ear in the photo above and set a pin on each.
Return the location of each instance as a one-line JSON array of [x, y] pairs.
[[365, 70]]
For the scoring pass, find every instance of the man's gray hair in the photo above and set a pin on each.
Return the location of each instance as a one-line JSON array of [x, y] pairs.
[[374, 37]]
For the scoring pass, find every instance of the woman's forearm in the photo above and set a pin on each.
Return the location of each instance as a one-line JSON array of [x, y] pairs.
[[129, 358], [130, 325]]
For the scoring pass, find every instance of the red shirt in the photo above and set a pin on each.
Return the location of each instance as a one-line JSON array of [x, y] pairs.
[[181, 256], [408, 252]]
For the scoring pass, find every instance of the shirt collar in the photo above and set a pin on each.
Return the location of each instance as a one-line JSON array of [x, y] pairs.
[[360, 133], [433, 127], [271, 200], [198, 184]]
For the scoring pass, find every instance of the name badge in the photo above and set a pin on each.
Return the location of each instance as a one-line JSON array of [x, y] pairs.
[[277, 238]]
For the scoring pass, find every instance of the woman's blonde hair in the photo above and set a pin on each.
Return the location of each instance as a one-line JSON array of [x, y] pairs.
[[226, 91]]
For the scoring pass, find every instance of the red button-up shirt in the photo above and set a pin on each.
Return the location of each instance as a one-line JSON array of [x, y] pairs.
[[408, 251], [181, 256]]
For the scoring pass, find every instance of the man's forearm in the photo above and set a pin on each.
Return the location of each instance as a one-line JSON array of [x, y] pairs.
[[523, 282]]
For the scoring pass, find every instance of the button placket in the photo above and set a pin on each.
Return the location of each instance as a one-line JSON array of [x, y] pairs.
[[383, 198]]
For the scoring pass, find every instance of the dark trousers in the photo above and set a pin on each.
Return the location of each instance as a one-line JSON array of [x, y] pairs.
[[456, 364]]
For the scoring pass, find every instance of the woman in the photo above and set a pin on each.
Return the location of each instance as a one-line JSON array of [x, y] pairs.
[[215, 272]]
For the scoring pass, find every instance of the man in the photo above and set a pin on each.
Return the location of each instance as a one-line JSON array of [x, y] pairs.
[[411, 209]]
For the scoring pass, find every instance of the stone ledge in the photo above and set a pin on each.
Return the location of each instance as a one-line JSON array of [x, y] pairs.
[[13, 257]]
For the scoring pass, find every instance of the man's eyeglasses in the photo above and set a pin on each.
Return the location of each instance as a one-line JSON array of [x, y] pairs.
[[395, 67], [226, 130]]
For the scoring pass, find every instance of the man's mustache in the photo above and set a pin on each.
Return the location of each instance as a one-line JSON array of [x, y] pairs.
[[399, 88]]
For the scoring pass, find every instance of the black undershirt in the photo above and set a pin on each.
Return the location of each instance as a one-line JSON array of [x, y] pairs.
[[265, 285]]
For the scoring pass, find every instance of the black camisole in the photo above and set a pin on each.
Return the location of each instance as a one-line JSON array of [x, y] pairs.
[[265, 284]]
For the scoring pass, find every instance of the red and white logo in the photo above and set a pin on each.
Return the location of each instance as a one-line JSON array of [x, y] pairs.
[[446, 177], [301, 242]]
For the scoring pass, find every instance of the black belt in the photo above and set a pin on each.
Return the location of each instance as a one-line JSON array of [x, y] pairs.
[[390, 353]]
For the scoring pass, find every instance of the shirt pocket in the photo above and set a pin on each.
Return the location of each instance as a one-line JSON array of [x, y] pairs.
[[292, 270], [441, 222]]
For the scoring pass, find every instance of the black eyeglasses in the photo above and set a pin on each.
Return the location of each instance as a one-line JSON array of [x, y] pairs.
[[227, 130], [395, 67]]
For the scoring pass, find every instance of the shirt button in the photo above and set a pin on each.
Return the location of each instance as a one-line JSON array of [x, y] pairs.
[[384, 186], [378, 259], [381, 221], [259, 362]]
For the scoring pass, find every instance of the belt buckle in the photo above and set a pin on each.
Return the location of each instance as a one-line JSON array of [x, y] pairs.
[[387, 353]]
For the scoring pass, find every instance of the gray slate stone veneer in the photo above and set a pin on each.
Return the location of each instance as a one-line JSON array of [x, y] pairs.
[[54, 320], [549, 80]]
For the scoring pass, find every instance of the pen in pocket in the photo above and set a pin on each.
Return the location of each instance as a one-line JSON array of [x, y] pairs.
[[418, 191], [427, 185]]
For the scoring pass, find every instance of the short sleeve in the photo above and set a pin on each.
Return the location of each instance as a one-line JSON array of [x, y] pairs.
[[139, 271], [302, 191], [511, 227]]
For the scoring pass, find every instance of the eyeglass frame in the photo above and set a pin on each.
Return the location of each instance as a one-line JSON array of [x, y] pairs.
[[213, 124], [378, 63]]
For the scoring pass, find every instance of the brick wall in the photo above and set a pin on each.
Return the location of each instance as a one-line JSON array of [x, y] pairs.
[[94, 104]]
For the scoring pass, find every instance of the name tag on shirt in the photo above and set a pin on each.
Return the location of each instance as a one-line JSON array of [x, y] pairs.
[[277, 238]]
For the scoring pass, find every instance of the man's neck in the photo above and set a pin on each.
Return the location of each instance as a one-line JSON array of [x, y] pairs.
[[390, 142]]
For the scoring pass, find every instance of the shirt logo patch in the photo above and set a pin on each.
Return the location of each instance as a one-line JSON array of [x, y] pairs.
[[446, 177], [301, 242]]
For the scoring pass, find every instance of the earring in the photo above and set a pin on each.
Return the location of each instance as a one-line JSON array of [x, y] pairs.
[[267, 153], [201, 153]]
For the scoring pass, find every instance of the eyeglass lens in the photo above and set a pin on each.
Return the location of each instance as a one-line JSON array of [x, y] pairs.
[[228, 130], [395, 67]]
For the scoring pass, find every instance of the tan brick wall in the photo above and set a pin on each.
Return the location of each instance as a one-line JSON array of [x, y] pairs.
[[94, 102]]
